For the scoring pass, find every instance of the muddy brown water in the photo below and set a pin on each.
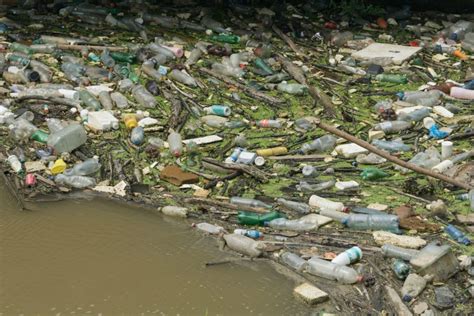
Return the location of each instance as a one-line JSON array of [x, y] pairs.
[[98, 257]]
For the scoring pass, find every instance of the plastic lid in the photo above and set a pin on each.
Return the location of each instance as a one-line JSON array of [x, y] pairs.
[[259, 161]]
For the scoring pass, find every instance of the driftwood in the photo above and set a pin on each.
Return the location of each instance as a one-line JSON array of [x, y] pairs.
[[298, 157], [92, 47], [287, 40], [389, 157], [249, 91], [210, 202], [250, 170]]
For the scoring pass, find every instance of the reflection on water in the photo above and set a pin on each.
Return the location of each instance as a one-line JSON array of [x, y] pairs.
[[99, 257]]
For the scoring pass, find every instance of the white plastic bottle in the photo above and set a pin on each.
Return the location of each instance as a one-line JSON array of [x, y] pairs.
[[349, 256], [175, 211], [244, 245], [209, 228], [322, 203], [175, 143]]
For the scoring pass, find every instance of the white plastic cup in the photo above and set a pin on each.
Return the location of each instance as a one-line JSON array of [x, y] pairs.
[[349, 256], [446, 150]]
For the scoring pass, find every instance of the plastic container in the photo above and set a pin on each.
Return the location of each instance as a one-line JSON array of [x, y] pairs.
[[332, 271], [322, 203], [400, 268], [175, 143], [209, 228], [183, 78], [59, 166], [78, 182], [446, 149], [68, 138], [294, 261], [268, 124], [292, 88], [349, 256], [292, 225], [137, 135], [244, 245], [438, 261], [457, 235], [246, 202], [390, 127], [102, 120], [322, 144], [399, 252], [251, 218], [373, 222], [254, 234], [143, 97], [413, 286], [301, 208], [175, 211]]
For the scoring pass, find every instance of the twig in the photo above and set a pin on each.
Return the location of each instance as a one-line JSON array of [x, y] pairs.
[[92, 47], [249, 170], [210, 202]]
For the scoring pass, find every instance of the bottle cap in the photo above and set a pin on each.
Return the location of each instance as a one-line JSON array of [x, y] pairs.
[[259, 161]]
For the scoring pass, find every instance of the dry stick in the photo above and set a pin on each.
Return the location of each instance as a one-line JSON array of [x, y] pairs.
[[287, 40], [92, 47], [249, 170], [389, 157], [249, 91], [210, 202]]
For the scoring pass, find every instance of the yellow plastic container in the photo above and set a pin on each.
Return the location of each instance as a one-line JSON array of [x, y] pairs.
[[130, 121], [58, 167], [275, 151]]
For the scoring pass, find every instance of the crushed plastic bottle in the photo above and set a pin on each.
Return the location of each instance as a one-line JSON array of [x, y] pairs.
[[251, 218], [85, 168], [390, 127], [413, 286], [183, 78], [322, 144], [145, 98], [78, 182], [457, 235], [396, 145]]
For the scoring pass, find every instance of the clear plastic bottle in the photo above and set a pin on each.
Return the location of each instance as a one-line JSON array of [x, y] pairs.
[[148, 68], [322, 144], [158, 49], [137, 135], [396, 145], [399, 252], [68, 138], [268, 123], [106, 59], [390, 127], [351, 70], [292, 224], [332, 271], [119, 100], [251, 233], [294, 261], [214, 121], [335, 215], [227, 70], [413, 286], [22, 129], [143, 97], [237, 200], [183, 78], [54, 125], [209, 228], [373, 222], [458, 30], [175, 211], [322, 203], [416, 115], [279, 77], [341, 38], [299, 207], [292, 88], [85, 168], [89, 100], [321, 186], [193, 57], [175, 143], [15, 163], [105, 100], [78, 182], [243, 245]]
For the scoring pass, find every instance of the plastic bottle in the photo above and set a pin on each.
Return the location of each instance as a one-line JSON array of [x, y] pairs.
[[68, 138], [209, 228], [400, 268], [349, 256], [122, 57], [227, 70], [246, 202], [15, 163], [254, 234], [220, 110], [332, 271], [105, 100], [78, 182], [301, 208], [268, 123], [308, 171], [193, 57], [175, 143], [443, 166], [391, 146], [294, 261], [17, 47], [262, 65], [119, 100], [458, 30], [251, 218], [390, 127], [275, 151], [85, 168], [416, 115], [392, 78], [335, 215], [143, 97], [461, 93], [413, 286], [365, 210], [106, 59], [43, 48], [40, 136], [351, 70], [457, 235], [214, 121], [137, 135], [292, 88], [341, 38], [373, 222], [183, 78], [321, 186], [399, 252], [175, 211], [322, 144], [292, 225], [279, 77], [373, 174], [89, 100], [226, 38], [22, 129], [54, 125], [244, 245], [322, 203]]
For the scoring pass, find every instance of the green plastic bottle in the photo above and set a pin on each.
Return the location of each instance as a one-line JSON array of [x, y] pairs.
[[224, 38], [89, 100], [400, 268], [132, 75], [122, 57], [251, 218], [373, 174], [261, 64], [17, 47], [392, 78], [17, 59], [40, 136]]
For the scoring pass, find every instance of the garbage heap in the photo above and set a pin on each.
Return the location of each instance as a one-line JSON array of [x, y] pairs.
[[285, 131]]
